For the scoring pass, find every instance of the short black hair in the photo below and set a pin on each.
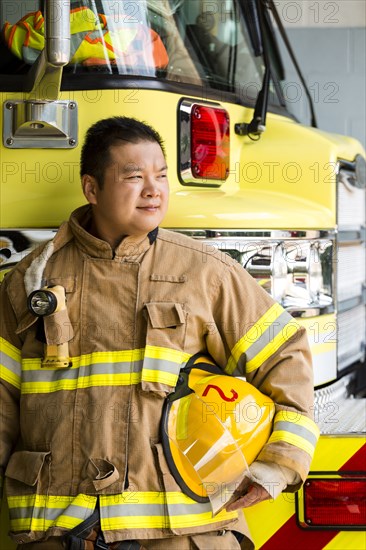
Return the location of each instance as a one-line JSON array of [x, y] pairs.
[[101, 136]]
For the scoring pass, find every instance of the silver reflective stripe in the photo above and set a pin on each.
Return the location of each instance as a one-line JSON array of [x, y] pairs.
[[128, 367], [10, 363], [50, 514], [263, 340], [186, 509], [78, 512], [49, 375], [123, 510], [161, 365], [34, 512], [42, 375], [294, 428], [111, 368]]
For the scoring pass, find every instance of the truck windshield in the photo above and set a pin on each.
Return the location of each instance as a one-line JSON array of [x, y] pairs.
[[189, 41]]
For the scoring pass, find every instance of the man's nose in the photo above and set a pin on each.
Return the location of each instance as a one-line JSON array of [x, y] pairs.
[[151, 189]]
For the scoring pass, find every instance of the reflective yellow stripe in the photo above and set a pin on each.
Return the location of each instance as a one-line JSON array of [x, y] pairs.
[[159, 377], [129, 510], [297, 418], [9, 376], [32, 524], [147, 510], [10, 350], [162, 522], [296, 429], [109, 380], [10, 363], [119, 368], [293, 439], [29, 524], [40, 512], [247, 340], [135, 522], [196, 520], [167, 354], [51, 501], [272, 347], [165, 365], [263, 339], [124, 356], [85, 382]]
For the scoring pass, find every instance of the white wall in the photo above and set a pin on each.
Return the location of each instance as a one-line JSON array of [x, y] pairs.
[[322, 13], [329, 40]]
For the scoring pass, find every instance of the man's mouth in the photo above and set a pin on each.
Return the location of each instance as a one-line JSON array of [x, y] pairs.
[[149, 207]]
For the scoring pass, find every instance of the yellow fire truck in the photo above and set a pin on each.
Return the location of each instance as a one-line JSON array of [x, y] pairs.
[[289, 205]]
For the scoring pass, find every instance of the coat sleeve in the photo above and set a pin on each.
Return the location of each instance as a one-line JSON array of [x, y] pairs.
[[10, 376], [265, 344]]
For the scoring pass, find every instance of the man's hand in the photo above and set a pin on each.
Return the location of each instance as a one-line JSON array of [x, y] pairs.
[[255, 493]]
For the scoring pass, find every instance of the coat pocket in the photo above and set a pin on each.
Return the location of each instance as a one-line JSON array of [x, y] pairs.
[[27, 478], [164, 350], [101, 476], [23, 473]]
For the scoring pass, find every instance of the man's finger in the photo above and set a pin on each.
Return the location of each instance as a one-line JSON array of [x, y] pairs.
[[256, 493]]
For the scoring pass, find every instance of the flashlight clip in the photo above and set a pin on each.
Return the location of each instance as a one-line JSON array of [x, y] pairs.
[[49, 305]]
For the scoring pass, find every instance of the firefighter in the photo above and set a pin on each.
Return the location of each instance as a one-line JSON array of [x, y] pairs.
[[97, 325]]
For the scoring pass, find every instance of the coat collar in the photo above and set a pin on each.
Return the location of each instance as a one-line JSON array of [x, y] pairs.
[[130, 248]]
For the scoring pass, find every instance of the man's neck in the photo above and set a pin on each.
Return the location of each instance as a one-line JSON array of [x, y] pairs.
[[97, 232]]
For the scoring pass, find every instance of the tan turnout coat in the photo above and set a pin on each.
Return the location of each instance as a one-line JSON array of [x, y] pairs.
[[69, 436]]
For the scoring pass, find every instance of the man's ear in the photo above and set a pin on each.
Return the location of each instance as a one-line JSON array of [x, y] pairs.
[[90, 187]]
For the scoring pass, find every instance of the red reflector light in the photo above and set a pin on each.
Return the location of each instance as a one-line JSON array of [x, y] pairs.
[[335, 503], [210, 143]]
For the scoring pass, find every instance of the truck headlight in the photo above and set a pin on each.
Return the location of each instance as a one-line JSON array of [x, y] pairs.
[[295, 267], [297, 273], [304, 262], [267, 264]]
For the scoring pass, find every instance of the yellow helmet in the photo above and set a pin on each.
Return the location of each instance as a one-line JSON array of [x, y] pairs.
[[213, 428]]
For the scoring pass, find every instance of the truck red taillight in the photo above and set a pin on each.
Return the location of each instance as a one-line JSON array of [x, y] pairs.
[[335, 503], [210, 143], [204, 143]]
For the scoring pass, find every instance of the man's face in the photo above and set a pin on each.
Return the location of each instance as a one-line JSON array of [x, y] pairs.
[[134, 197]]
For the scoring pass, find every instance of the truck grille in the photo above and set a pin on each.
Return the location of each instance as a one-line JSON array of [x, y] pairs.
[[351, 270], [351, 336], [351, 202]]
